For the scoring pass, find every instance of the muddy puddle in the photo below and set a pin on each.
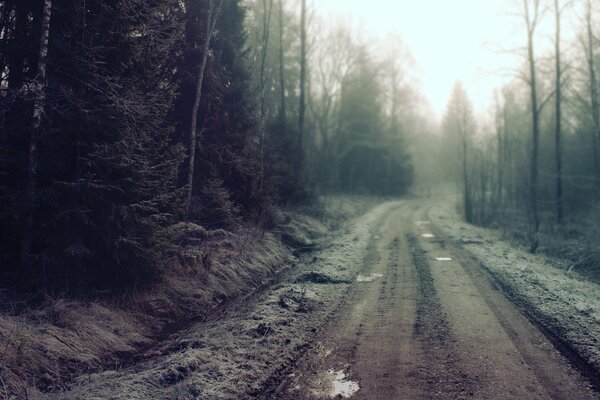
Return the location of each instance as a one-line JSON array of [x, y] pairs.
[[334, 385]]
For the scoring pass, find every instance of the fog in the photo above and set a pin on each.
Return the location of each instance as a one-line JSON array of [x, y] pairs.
[[299, 199]]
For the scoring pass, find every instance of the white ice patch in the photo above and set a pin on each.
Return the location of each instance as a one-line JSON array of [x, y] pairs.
[[428, 235], [370, 278], [341, 386], [443, 259]]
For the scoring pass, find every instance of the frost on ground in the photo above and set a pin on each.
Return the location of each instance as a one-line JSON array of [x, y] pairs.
[[233, 355], [566, 303], [48, 344], [334, 385], [368, 278]]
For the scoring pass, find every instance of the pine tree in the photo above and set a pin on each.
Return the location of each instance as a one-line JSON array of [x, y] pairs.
[[227, 167], [106, 164]]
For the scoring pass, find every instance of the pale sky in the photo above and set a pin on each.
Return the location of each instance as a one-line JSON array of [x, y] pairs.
[[450, 40]]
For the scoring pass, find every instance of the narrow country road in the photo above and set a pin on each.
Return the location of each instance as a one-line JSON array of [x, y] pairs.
[[424, 321]]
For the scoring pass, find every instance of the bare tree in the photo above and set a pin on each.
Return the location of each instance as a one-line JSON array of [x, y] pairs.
[[459, 126], [282, 111], [593, 85], [532, 14], [335, 59], [39, 103], [212, 15], [558, 113], [302, 105]]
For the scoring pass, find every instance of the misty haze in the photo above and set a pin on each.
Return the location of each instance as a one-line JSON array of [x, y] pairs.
[[300, 199]]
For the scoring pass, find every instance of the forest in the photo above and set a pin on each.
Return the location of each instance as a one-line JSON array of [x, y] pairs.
[[141, 139], [531, 166], [120, 119]]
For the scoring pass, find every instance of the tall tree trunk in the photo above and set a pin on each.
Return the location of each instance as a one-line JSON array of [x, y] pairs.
[[507, 160], [558, 116], [263, 61], [590, 55], [39, 103], [466, 184], [211, 21], [302, 105], [534, 221], [499, 192], [282, 111], [7, 26], [16, 73]]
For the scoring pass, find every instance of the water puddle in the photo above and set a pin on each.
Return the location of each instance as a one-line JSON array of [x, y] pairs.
[[342, 386], [428, 235], [334, 384], [369, 278], [443, 258]]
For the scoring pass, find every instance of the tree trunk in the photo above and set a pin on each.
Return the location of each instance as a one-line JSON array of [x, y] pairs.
[[7, 26], [534, 222], [590, 55], [302, 105], [282, 111], [16, 73], [39, 103], [265, 44], [558, 116], [211, 20], [499, 190], [466, 184]]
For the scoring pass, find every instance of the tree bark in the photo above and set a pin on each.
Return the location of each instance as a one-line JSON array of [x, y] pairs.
[[282, 111], [466, 183], [211, 20], [39, 103], [534, 222], [265, 44], [499, 190], [590, 55], [558, 117], [302, 105], [16, 73]]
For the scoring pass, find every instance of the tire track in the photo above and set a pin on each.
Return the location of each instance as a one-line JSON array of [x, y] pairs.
[[434, 333]]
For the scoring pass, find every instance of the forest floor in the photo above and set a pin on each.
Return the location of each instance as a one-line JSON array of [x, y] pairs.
[[401, 302]]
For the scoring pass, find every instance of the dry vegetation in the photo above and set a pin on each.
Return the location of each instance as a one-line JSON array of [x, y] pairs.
[[49, 345], [59, 339]]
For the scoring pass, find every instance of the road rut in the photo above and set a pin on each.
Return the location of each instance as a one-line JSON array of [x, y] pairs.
[[429, 324]]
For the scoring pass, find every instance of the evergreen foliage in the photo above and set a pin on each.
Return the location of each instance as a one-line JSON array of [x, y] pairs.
[[111, 160]]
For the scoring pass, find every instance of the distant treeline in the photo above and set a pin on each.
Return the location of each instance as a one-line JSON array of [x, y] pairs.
[[533, 166], [119, 119]]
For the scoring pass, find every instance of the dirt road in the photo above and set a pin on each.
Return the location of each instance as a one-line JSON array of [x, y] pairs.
[[424, 321], [387, 307]]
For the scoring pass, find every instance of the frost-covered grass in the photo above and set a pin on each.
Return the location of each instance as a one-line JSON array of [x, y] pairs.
[[43, 348], [232, 355], [565, 302], [53, 342]]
